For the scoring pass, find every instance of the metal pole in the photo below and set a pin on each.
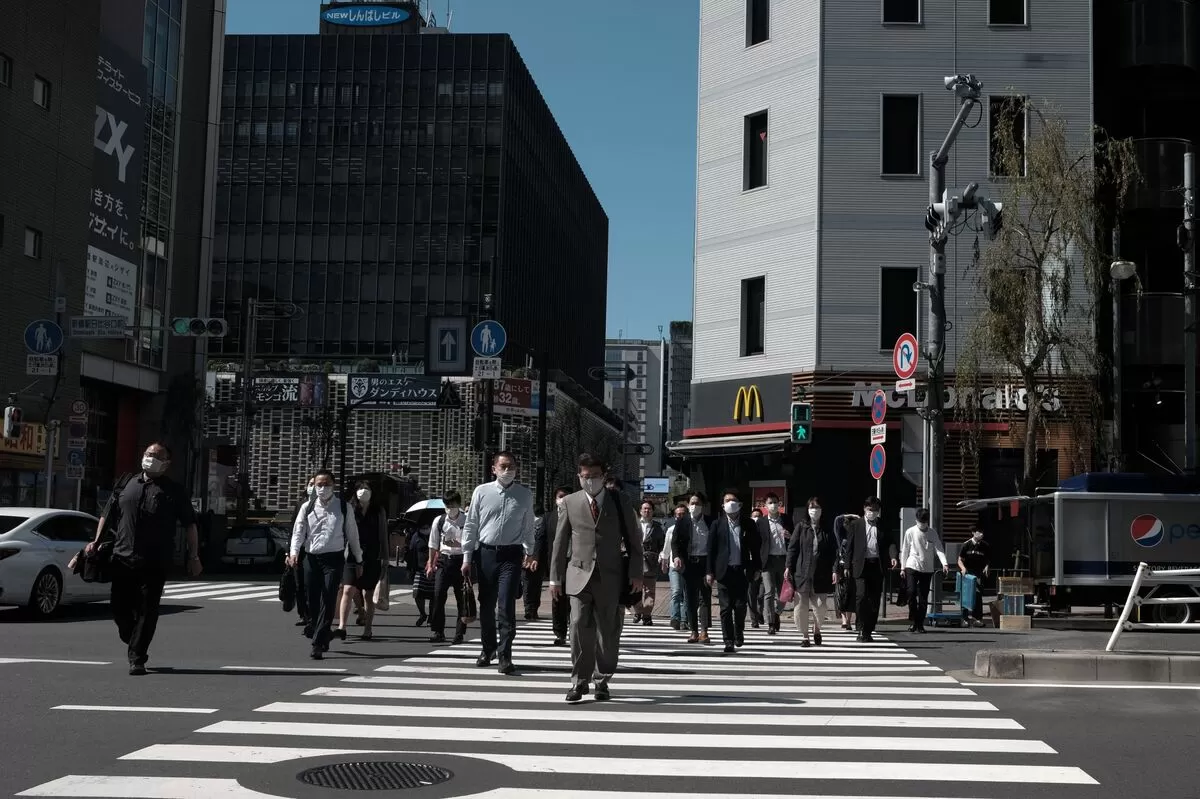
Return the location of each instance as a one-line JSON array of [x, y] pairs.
[[51, 434], [543, 403], [625, 429], [1117, 387], [249, 335], [489, 385], [1189, 314]]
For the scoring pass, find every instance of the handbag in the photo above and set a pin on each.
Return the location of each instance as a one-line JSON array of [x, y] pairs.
[[287, 589], [383, 590], [470, 608], [95, 567], [787, 592]]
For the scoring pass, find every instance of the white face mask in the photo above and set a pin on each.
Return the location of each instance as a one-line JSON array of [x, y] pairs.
[[560, 502], [732, 507], [453, 512], [324, 493], [772, 508], [870, 515], [506, 476], [695, 510], [592, 485], [814, 513], [977, 537], [311, 490], [922, 526], [364, 495], [153, 466]]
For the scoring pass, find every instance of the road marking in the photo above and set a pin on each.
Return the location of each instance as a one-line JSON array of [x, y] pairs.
[[260, 593], [832, 659], [57, 662], [145, 788], [200, 753], [657, 686], [679, 668], [136, 709], [1105, 685], [628, 717], [200, 586], [626, 674], [205, 593], [539, 697], [296, 669]]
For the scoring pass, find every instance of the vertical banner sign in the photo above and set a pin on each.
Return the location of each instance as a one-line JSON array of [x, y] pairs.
[[114, 238]]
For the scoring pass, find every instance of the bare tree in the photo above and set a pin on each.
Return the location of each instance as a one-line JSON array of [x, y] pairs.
[[1040, 280]]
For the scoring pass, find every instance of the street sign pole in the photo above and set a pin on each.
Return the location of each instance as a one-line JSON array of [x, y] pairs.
[[543, 368]]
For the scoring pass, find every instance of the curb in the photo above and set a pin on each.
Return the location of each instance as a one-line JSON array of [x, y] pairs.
[[1086, 666]]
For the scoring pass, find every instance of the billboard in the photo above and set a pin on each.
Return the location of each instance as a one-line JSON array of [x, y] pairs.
[[394, 392], [519, 397], [291, 391], [114, 237]]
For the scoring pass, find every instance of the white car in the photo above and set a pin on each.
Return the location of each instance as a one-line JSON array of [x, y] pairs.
[[36, 544]]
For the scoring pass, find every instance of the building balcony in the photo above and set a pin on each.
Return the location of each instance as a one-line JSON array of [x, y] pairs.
[[1161, 165], [1158, 33], [1152, 329]]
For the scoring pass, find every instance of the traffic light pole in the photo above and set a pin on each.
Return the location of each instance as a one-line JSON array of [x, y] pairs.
[[249, 337]]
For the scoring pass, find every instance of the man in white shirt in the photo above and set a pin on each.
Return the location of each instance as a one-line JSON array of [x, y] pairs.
[[920, 550], [670, 563], [324, 527]]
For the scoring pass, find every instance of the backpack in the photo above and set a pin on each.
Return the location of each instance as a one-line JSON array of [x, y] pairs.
[[308, 506]]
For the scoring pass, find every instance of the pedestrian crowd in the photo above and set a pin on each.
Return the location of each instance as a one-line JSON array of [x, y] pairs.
[[600, 557]]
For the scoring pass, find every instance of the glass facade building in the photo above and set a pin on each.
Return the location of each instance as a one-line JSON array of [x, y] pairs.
[[376, 180]]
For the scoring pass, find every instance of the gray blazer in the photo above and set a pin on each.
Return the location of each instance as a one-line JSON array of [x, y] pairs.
[[583, 546]]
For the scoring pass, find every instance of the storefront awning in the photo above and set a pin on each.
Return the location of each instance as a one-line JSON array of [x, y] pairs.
[[720, 446]]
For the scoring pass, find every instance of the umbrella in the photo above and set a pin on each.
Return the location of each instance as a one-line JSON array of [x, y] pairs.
[[424, 512], [426, 504]]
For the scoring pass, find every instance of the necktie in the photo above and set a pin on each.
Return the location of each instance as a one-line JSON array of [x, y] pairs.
[[595, 510]]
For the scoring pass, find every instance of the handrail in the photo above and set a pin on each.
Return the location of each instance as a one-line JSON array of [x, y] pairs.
[[1144, 572]]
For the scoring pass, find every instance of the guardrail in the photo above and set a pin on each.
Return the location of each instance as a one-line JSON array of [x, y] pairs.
[[1144, 572]]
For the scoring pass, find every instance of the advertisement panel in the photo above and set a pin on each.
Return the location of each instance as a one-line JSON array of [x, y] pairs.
[[394, 392], [291, 391], [114, 237], [759, 490], [517, 396], [1162, 531]]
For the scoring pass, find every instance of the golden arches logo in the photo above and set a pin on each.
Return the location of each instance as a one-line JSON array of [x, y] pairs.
[[748, 404]]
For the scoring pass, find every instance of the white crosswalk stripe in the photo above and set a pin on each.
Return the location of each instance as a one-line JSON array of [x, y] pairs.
[[687, 721], [225, 591]]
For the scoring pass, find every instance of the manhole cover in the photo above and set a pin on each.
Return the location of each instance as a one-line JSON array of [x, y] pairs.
[[374, 776]]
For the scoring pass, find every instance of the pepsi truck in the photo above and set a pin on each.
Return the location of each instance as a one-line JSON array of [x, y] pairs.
[[1084, 540]]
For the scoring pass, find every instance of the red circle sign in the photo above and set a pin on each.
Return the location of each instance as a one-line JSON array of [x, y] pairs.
[[904, 356], [878, 407], [878, 461]]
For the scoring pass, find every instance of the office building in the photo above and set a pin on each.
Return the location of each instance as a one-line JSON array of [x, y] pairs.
[[814, 133], [677, 381], [643, 402], [378, 179]]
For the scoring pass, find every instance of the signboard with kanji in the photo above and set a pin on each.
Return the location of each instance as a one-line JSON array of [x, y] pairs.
[[394, 392], [291, 391]]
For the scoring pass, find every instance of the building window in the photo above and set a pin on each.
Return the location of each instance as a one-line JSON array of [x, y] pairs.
[[900, 134], [41, 91], [755, 152], [1006, 12], [902, 12], [754, 297], [897, 312], [1007, 112], [5, 70], [33, 243], [758, 21]]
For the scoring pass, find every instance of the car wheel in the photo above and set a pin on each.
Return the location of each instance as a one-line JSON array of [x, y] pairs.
[[46, 596]]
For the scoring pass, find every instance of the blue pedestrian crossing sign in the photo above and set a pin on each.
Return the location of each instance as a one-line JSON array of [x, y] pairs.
[[488, 338], [43, 337]]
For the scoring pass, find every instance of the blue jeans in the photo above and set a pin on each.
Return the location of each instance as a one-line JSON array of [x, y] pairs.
[[678, 603]]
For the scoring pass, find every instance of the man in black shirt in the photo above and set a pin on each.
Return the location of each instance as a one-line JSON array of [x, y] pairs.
[[973, 559], [141, 517]]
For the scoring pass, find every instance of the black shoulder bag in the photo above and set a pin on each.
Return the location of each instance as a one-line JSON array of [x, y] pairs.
[[630, 597], [96, 567]]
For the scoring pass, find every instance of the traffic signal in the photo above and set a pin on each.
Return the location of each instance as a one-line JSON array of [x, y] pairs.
[[12, 422], [993, 218], [802, 422], [199, 327]]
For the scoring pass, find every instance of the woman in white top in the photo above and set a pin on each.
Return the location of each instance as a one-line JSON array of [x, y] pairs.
[[920, 551]]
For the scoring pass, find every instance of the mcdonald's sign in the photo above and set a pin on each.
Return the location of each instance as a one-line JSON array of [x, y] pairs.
[[747, 406]]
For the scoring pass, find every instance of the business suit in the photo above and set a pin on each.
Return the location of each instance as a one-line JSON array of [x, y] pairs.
[[587, 563], [867, 571], [653, 537], [773, 567], [695, 568], [733, 578], [560, 608], [531, 580]]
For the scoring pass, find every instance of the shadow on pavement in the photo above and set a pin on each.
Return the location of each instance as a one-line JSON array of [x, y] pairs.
[[67, 614]]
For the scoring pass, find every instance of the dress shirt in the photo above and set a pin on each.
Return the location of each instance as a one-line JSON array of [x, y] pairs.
[[322, 530], [921, 550], [446, 535], [699, 543], [665, 557], [499, 517], [872, 539], [735, 541], [778, 540]]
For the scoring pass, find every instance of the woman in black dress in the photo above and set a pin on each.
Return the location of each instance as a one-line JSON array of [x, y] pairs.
[[372, 534]]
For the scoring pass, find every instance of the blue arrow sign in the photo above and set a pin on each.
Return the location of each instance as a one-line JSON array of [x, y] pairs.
[[43, 337], [448, 345], [488, 338]]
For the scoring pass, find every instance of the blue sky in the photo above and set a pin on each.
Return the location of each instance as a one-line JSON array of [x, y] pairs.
[[621, 80]]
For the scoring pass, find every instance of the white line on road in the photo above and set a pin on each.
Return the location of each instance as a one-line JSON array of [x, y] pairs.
[[199, 586], [57, 662], [136, 709], [297, 669], [839, 659], [681, 667], [257, 594], [540, 697], [201, 753], [789, 677], [1103, 685], [552, 793], [640, 717], [99, 787], [657, 686], [205, 593]]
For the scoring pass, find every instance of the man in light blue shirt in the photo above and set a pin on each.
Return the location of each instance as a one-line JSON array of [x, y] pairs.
[[498, 543]]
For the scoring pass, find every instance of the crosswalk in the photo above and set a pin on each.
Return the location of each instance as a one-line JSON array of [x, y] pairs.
[[843, 720], [217, 591]]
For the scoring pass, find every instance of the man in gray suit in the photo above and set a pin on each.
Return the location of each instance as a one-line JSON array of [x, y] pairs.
[[595, 574]]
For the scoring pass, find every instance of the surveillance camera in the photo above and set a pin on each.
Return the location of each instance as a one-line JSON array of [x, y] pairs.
[[917, 287]]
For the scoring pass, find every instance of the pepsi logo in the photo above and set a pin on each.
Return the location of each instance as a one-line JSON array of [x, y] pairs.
[[1147, 530]]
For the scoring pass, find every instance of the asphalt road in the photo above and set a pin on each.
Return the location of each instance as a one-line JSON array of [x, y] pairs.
[[842, 720]]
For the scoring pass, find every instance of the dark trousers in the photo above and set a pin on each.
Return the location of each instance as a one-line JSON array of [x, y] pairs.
[[754, 596], [560, 615], [531, 586], [301, 588], [918, 596], [733, 592], [136, 596], [869, 587], [448, 576], [499, 570], [699, 594], [323, 579]]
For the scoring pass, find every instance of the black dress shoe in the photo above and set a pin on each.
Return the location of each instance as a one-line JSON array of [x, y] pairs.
[[316, 654], [421, 619], [576, 693], [307, 632], [136, 670], [646, 621], [302, 622], [458, 639], [484, 660], [864, 638], [560, 641], [602, 694], [912, 628], [437, 638], [729, 649], [340, 634], [507, 667], [817, 637]]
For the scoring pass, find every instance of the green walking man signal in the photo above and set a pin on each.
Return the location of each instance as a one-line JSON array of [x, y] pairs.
[[802, 422]]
